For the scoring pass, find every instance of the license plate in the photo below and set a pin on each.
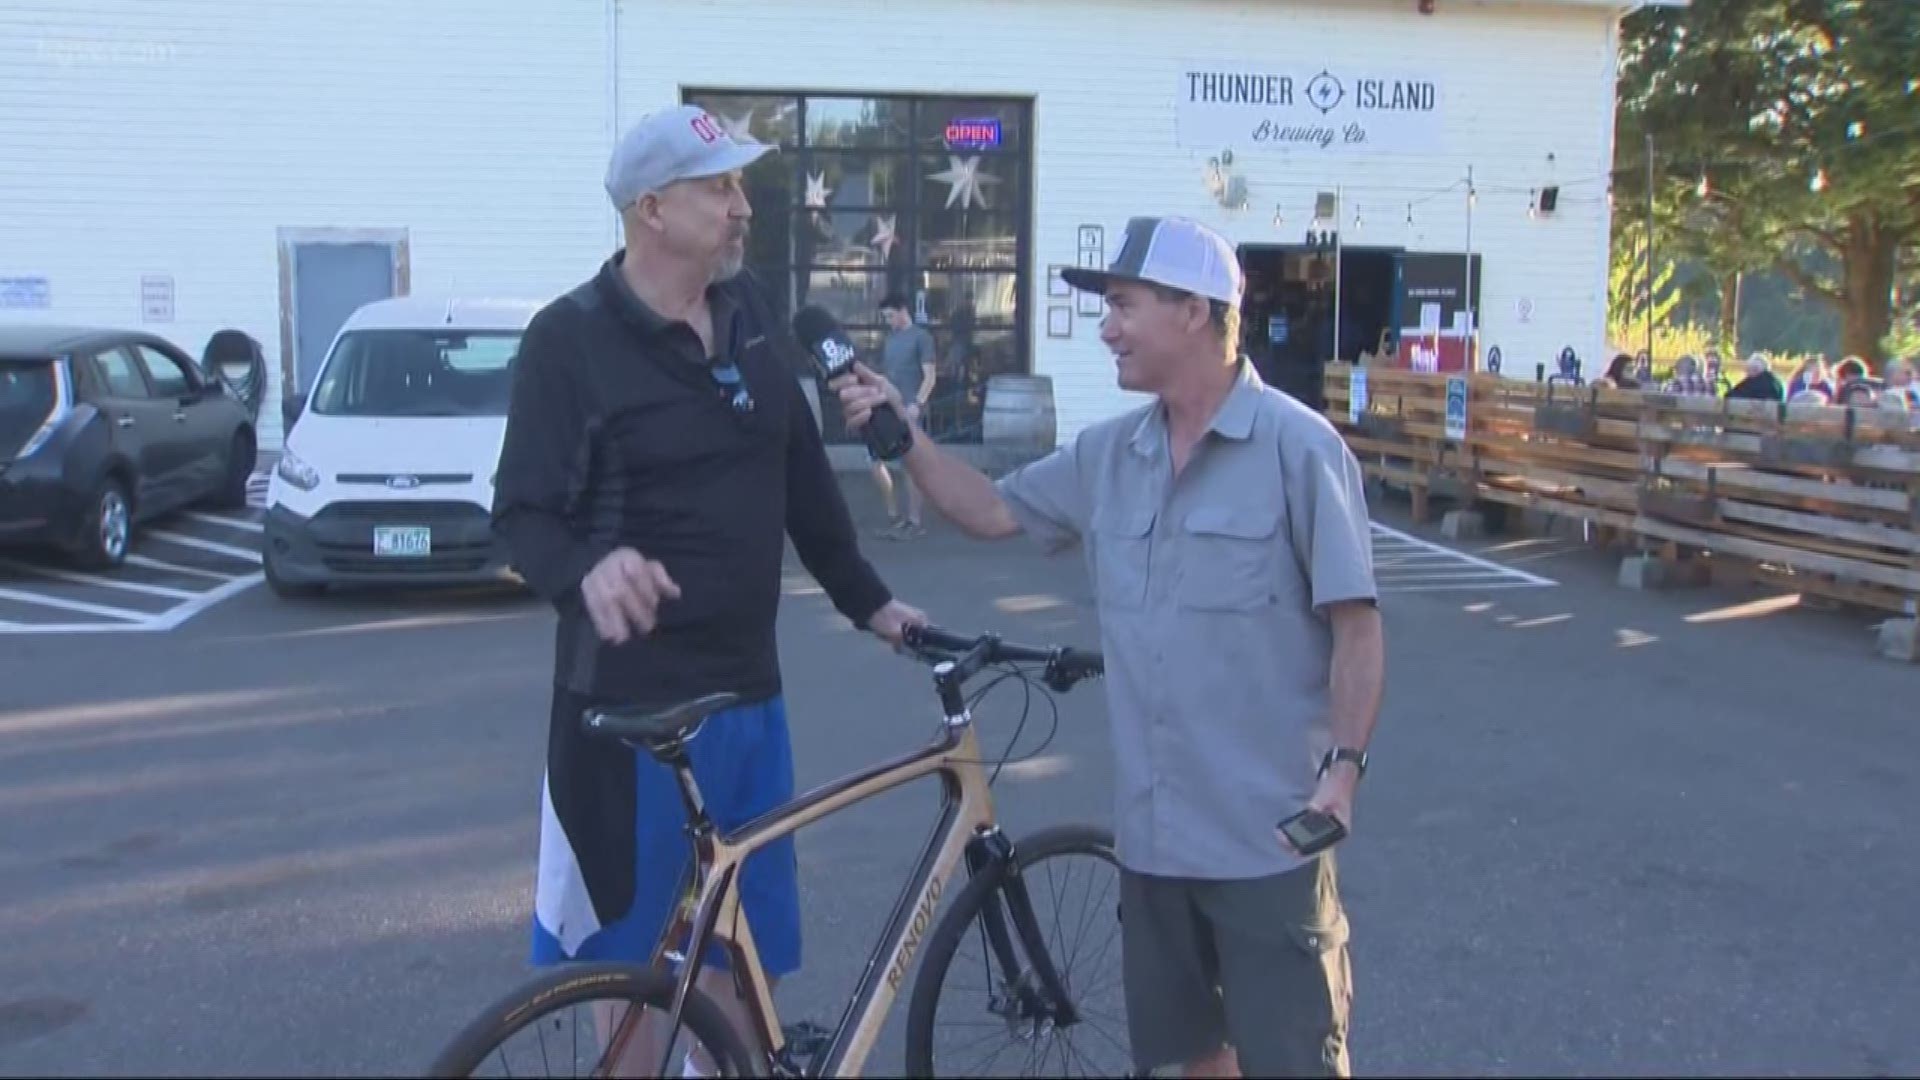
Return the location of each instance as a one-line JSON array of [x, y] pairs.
[[409, 541]]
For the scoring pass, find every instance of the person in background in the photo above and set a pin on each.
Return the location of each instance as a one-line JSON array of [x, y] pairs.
[[1813, 374], [1226, 530], [1761, 384], [1621, 373], [1687, 378], [1901, 383], [908, 360]]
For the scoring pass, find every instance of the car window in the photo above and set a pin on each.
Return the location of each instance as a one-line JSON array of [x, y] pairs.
[[121, 374], [170, 377]]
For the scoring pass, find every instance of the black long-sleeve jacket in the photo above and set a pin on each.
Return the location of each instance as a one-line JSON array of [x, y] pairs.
[[620, 434]]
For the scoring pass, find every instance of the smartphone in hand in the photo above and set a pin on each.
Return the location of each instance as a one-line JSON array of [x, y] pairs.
[[1311, 832]]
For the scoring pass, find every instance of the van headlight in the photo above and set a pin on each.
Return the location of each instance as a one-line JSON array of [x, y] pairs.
[[297, 472]]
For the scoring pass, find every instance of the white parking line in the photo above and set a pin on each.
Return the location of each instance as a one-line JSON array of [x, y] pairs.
[[102, 581], [231, 523], [179, 568], [1404, 563], [204, 545], [69, 605]]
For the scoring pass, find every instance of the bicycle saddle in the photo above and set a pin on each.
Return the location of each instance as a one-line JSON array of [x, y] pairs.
[[657, 725]]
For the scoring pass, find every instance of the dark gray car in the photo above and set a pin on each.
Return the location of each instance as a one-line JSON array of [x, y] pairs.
[[101, 430]]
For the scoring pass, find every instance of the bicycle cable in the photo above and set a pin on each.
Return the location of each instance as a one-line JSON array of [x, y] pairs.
[[1014, 671]]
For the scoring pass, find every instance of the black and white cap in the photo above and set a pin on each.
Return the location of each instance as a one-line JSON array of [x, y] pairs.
[[682, 143], [1177, 252]]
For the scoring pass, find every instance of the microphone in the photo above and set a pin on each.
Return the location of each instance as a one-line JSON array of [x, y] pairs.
[[887, 435]]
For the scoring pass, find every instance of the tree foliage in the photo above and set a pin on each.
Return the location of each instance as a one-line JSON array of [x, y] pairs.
[[1778, 127]]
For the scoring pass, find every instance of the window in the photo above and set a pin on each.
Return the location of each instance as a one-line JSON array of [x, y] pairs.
[[418, 373], [121, 373], [924, 196], [170, 380]]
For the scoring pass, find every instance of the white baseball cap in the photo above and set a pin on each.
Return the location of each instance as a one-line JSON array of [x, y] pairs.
[[682, 143], [1177, 252]]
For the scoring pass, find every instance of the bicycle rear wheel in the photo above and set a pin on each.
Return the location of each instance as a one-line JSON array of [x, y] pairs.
[[562, 1024], [980, 1006]]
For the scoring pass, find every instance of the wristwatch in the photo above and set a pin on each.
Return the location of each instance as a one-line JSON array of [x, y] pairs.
[[1344, 753]]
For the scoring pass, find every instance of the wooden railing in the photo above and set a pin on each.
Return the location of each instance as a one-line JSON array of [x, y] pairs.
[[1822, 499]]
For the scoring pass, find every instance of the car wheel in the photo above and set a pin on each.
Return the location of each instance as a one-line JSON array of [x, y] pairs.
[[108, 529], [232, 493], [282, 588]]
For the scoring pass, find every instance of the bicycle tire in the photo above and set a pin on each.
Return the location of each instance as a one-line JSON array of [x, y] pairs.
[[953, 927], [574, 983]]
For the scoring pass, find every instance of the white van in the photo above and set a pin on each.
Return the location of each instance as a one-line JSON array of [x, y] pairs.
[[387, 472]]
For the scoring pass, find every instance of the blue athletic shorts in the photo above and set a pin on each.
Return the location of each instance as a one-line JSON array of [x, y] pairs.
[[743, 762]]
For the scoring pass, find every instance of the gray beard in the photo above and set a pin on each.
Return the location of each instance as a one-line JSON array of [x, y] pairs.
[[729, 266]]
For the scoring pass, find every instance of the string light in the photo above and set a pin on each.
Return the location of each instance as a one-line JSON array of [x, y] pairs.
[[1703, 188], [1409, 213], [1859, 127], [1356, 215], [1279, 219], [1819, 182], [1533, 203]]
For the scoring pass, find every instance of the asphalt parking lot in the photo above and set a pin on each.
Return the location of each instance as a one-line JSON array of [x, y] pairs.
[[1605, 832], [176, 568]]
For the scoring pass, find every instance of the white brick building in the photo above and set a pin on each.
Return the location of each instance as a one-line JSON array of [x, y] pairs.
[[190, 150]]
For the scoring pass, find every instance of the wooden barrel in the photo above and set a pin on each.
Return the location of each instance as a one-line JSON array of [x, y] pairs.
[[1018, 417]]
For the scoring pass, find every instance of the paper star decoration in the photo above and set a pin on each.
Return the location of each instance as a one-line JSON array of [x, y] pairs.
[[741, 129], [965, 182], [883, 235], [817, 190]]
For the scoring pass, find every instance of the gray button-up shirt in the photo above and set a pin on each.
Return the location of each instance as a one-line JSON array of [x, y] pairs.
[[1211, 589]]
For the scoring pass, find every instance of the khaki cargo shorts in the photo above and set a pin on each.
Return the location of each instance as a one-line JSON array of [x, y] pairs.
[[1260, 964]]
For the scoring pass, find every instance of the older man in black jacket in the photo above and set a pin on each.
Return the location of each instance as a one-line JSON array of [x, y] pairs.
[[658, 451]]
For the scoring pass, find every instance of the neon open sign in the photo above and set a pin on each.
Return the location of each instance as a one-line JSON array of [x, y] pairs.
[[980, 134]]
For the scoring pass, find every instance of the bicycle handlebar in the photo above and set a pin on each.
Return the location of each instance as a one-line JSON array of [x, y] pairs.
[[1065, 666]]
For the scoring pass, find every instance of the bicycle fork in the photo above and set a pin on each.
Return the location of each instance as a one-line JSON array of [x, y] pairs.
[[1033, 993]]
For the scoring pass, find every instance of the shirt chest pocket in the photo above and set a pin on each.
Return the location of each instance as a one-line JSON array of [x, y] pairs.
[[1122, 556], [1231, 558]]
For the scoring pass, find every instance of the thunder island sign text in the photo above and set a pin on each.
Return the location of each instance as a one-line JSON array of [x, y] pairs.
[[1309, 108]]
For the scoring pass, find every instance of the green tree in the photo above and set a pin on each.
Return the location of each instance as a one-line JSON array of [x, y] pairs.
[[1779, 127]]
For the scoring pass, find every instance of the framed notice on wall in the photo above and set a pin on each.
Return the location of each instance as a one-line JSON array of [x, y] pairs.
[[1059, 321]]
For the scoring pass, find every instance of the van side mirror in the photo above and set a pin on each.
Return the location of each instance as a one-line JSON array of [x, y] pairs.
[[290, 409]]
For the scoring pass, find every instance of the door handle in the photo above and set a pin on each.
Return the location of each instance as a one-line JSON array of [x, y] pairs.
[[180, 416], [124, 421]]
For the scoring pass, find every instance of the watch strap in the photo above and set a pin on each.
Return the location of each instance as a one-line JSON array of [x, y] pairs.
[[1344, 753]]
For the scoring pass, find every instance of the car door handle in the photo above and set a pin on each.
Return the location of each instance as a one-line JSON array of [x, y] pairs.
[[124, 421], [181, 416]]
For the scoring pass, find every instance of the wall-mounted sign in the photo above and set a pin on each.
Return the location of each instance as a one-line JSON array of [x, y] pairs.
[[25, 293], [156, 297], [1457, 408], [978, 134], [1307, 107]]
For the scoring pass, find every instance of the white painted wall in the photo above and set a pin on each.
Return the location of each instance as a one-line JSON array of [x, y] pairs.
[[140, 137], [1524, 80]]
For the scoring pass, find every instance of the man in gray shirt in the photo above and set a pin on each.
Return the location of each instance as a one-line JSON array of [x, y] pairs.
[[1226, 532], [907, 362]]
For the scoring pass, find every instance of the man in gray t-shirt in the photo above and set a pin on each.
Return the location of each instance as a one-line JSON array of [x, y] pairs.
[[907, 361]]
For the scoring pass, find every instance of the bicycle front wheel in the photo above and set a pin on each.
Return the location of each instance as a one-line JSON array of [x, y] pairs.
[[981, 1004], [595, 1019]]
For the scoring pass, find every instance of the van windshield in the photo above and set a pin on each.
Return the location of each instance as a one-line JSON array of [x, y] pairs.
[[418, 373]]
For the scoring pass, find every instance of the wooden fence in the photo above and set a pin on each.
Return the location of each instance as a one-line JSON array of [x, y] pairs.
[[1821, 499]]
